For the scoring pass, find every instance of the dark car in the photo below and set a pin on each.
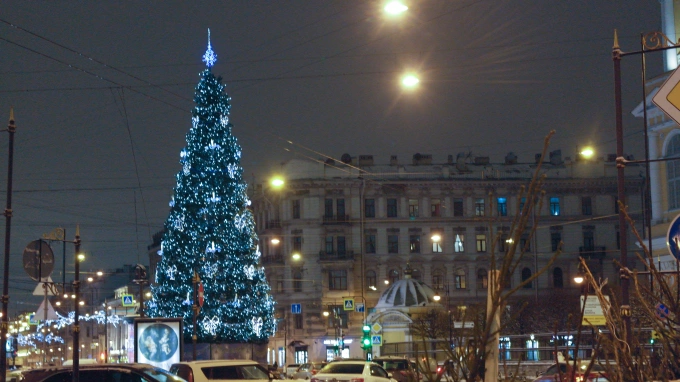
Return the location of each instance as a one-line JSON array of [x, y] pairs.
[[131, 372], [401, 368]]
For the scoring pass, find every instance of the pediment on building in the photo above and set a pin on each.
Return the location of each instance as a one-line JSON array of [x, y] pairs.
[[390, 317]]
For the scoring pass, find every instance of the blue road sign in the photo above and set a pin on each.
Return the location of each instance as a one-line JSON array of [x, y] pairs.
[[349, 304], [673, 238], [376, 339], [296, 308], [127, 300], [662, 311], [360, 307]]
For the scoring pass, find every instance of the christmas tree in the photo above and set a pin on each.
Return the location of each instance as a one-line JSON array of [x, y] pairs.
[[210, 232]]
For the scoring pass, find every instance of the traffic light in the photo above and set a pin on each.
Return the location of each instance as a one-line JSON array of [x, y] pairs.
[[366, 339], [342, 342]]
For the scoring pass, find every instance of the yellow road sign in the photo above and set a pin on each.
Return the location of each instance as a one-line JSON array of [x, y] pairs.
[[668, 96]]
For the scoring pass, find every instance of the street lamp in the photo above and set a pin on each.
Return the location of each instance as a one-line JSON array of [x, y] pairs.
[[410, 80], [395, 7]]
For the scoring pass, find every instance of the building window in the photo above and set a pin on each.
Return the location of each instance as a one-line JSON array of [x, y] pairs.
[[586, 205], [503, 242], [329, 245], [338, 317], [340, 209], [393, 276], [435, 208], [414, 243], [337, 279], [369, 208], [502, 207], [296, 209], [554, 206], [459, 279], [526, 275], [588, 241], [555, 239], [437, 245], [459, 243], [328, 208], [413, 208], [437, 280], [481, 242], [369, 243], [482, 279], [392, 243], [558, 281], [298, 321], [673, 173], [297, 243], [457, 207], [371, 280], [524, 243], [391, 208], [479, 207], [341, 245], [297, 281]]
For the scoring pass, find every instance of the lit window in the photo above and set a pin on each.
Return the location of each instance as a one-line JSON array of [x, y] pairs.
[[413, 208], [414, 243], [458, 245], [555, 206], [481, 243], [479, 207], [502, 207], [460, 280]]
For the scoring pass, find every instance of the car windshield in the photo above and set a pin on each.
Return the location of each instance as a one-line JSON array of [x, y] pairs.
[[161, 375], [235, 372], [343, 368]]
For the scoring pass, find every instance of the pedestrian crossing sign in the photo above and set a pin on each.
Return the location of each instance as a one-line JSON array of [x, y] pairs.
[[349, 304], [376, 339], [127, 300]]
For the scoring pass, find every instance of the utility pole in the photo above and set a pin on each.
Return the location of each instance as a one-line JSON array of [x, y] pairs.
[[4, 325]]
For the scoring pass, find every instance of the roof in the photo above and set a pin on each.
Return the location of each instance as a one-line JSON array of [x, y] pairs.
[[408, 292], [222, 362]]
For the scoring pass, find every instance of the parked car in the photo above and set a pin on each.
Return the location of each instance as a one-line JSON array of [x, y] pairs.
[[352, 371], [401, 368], [565, 369], [221, 370], [308, 370], [291, 369], [122, 372]]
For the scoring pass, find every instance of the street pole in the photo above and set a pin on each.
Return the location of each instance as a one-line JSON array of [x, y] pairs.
[[4, 325], [621, 192], [76, 319]]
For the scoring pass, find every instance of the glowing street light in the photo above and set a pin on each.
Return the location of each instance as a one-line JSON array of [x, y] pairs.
[[587, 152], [395, 7], [410, 80], [296, 256], [436, 238], [277, 182], [275, 241]]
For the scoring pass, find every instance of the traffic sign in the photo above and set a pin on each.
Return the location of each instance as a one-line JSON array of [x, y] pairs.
[[661, 311], [38, 259], [296, 308], [668, 97], [592, 312], [376, 328], [673, 238], [349, 304], [359, 308], [127, 300], [376, 339]]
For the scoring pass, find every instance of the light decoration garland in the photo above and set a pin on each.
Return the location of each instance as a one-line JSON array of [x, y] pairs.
[[211, 324], [171, 272], [101, 317], [249, 271], [257, 325], [209, 57]]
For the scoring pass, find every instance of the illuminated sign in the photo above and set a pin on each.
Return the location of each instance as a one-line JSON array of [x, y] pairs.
[[158, 342]]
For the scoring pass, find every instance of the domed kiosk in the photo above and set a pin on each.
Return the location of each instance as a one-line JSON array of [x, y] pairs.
[[397, 307]]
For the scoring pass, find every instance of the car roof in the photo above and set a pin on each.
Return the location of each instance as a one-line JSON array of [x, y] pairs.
[[222, 362]]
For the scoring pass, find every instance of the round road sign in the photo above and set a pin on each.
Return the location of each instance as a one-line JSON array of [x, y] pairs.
[[38, 259]]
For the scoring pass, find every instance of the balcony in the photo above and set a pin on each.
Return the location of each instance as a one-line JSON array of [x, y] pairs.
[[272, 259], [336, 219], [335, 256], [594, 252]]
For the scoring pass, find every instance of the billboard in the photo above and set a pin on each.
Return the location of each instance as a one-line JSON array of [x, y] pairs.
[[158, 341]]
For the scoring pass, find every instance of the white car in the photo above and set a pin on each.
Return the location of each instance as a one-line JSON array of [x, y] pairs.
[[352, 371], [221, 370]]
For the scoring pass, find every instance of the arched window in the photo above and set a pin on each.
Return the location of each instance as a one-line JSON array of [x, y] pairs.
[[437, 279], [393, 276], [673, 172], [526, 274], [371, 281], [558, 280], [460, 280], [297, 281], [482, 279]]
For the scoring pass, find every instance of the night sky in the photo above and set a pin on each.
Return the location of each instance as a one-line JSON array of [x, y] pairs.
[[102, 93]]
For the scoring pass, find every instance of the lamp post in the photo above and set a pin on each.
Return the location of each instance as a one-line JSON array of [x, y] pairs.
[[11, 129]]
